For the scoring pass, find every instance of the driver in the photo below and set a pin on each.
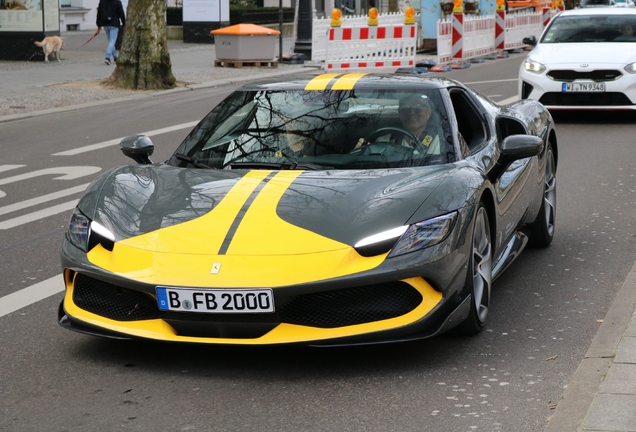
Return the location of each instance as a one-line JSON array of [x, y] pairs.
[[415, 112]]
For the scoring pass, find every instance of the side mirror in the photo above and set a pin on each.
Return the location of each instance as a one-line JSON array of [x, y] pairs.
[[512, 148], [138, 147], [517, 147], [530, 40]]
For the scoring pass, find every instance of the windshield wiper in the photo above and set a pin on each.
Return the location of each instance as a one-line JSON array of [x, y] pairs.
[[277, 165], [194, 161]]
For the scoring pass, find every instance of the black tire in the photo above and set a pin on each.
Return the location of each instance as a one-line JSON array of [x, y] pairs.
[[542, 229], [479, 277]]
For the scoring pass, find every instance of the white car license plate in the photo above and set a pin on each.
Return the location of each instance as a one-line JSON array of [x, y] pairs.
[[215, 300], [583, 87]]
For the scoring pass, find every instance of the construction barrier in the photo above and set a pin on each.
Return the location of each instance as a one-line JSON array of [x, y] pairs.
[[464, 38], [370, 47], [519, 26], [321, 26], [547, 16]]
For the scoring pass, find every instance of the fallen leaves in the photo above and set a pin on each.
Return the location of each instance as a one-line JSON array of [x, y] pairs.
[[552, 358]]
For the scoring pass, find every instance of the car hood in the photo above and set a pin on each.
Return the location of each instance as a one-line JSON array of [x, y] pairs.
[[191, 211], [573, 55]]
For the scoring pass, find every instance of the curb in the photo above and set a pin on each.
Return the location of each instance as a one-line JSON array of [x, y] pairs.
[[574, 409], [190, 87]]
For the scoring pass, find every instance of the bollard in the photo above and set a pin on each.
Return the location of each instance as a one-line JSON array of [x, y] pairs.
[[458, 30]]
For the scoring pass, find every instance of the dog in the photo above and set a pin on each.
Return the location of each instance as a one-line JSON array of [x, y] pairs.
[[49, 45]]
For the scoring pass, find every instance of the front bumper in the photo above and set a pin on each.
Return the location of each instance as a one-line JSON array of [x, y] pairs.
[[412, 296], [619, 94]]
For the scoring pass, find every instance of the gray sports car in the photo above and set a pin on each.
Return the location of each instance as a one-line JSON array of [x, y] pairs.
[[335, 209]]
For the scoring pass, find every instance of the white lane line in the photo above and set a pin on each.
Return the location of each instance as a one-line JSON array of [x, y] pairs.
[[21, 220], [10, 167], [509, 100], [492, 81], [27, 296], [42, 199], [65, 173], [118, 140]]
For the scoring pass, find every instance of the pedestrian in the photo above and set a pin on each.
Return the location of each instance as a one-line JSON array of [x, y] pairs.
[[110, 13]]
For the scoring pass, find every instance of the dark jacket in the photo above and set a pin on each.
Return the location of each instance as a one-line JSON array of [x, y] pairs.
[[110, 13]]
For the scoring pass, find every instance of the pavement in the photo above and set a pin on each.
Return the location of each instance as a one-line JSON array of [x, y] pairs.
[[602, 393]]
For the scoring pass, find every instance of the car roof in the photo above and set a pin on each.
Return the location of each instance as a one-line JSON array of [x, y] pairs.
[[351, 80], [605, 10]]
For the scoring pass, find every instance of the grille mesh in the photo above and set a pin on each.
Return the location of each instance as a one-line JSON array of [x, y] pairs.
[[352, 306], [112, 301], [595, 75], [328, 309]]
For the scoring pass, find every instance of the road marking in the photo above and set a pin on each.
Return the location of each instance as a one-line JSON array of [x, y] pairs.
[[116, 141], [21, 220], [492, 81], [10, 167], [69, 173], [509, 100], [27, 296], [4, 168], [42, 199]]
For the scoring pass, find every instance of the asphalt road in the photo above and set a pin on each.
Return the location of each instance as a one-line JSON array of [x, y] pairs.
[[545, 309]]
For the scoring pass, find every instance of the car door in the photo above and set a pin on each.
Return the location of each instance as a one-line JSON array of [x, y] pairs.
[[481, 128]]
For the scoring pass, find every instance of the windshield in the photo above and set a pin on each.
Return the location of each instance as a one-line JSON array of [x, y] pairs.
[[346, 129], [591, 28], [594, 3]]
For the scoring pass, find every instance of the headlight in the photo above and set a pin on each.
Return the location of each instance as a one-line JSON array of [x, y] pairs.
[[379, 243], [533, 66], [407, 239], [77, 232], [85, 234], [631, 68], [424, 234]]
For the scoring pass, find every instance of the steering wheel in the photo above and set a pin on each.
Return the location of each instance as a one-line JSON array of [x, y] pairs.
[[399, 134]]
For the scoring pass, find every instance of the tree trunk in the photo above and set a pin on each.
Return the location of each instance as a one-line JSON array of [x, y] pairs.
[[144, 61], [393, 6]]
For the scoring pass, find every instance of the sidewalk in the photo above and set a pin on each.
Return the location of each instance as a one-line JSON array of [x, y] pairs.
[[29, 87], [602, 393]]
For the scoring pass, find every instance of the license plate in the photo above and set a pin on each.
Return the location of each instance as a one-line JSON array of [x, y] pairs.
[[583, 87], [215, 300]]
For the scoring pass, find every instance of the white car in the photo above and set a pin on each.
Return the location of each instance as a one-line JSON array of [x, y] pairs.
[[585, 59], [624, 3], [595, 3]]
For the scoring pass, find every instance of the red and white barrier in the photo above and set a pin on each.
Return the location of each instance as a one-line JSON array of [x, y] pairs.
[[547, 16], [367, 47], [320, 29], [463, 38], [500, 30], [519, 26], [458, 35]]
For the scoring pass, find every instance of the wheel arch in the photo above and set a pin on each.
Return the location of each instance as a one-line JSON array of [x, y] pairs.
[[552, 139], [488, 199]]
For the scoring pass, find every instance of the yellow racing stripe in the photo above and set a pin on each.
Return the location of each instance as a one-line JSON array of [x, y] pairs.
[[321, 81], [265, 250], [347, 81]]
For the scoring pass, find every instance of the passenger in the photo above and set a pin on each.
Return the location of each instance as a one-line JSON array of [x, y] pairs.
[[297, 135], [627, 34]]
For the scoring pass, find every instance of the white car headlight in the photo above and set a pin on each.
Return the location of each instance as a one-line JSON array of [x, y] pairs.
[[631, 68], [85, 234], [533, 66]]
